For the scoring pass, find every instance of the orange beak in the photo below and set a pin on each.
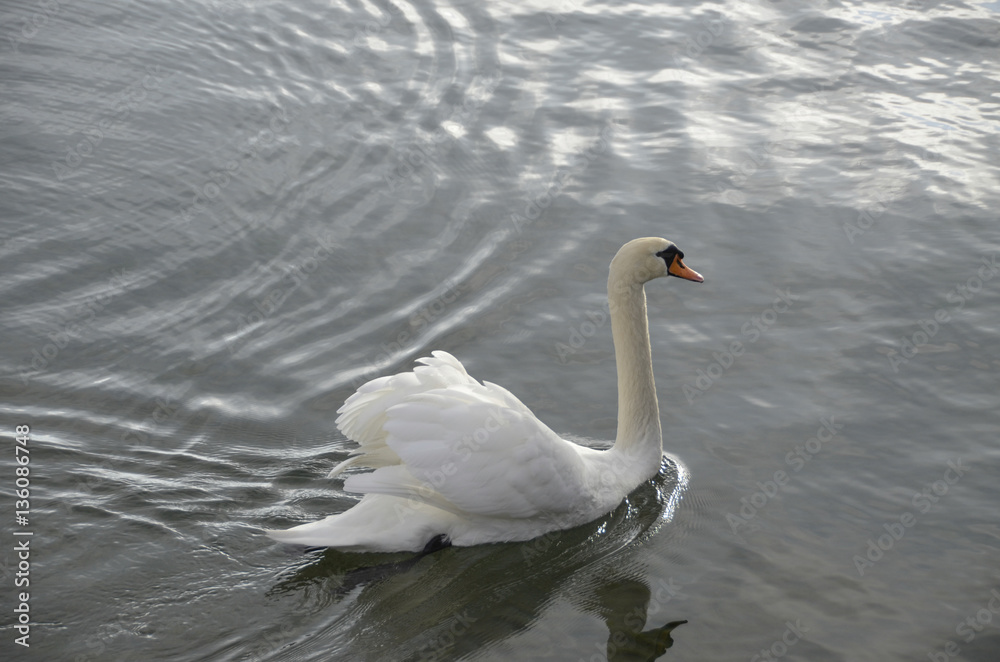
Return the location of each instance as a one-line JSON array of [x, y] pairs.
[[679, 269]]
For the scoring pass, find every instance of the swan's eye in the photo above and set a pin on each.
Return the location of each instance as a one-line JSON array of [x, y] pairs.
[[667, 254]]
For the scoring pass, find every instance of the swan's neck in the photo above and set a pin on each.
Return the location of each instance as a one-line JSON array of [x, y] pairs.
[[638, 413]]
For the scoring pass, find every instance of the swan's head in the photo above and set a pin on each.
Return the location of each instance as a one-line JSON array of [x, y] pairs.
[[642, 260]]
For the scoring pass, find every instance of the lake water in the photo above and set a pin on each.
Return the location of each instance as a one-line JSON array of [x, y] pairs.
[[221, 217]]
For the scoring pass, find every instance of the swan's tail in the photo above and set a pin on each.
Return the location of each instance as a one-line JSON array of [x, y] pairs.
[[311, 535], [378, 523]]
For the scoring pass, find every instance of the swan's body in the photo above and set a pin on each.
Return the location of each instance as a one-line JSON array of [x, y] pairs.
[[467, 460]]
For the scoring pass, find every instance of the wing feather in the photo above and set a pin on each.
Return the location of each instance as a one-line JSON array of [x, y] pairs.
[[363, 416], [439, 436]]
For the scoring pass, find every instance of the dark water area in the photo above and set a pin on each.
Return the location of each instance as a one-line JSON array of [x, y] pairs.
[[220, 218]]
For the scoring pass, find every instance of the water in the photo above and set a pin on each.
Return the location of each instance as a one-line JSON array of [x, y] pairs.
[[221, 217]]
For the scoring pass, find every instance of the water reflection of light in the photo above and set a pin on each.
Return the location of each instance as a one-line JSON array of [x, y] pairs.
[[502, 136]]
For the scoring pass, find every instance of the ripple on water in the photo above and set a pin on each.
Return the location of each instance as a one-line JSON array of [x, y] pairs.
[[297, 197]]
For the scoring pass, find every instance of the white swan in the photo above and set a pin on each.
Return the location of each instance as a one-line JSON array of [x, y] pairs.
[[466, 462]]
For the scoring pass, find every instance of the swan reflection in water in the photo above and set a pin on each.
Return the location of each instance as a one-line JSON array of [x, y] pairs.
[[456, 602]]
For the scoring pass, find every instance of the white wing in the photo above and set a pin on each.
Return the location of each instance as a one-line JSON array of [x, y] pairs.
[[442, 438]]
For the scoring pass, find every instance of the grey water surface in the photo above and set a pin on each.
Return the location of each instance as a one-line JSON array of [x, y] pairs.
[[219, 218]]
